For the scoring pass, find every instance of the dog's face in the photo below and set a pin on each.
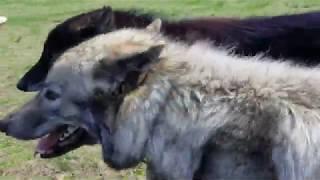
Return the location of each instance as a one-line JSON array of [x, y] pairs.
[[83, 83], [39, 119], [64, 36]]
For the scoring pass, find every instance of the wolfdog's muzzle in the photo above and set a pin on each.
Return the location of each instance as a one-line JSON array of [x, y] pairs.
[[56, 138]]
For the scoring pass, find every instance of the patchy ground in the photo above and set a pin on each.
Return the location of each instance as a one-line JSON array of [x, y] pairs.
[[21, 40]]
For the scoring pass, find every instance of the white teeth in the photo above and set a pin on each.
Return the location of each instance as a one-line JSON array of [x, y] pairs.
[[66, 134], [61, 137], [70, 130]]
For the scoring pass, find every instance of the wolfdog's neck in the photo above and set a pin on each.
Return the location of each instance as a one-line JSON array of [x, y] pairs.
[[204, 66]]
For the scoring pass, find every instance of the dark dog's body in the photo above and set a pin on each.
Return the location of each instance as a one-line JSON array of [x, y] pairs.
[[277, 37], [289, 36]]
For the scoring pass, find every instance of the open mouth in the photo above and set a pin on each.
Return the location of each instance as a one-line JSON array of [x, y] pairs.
[[62, 140]]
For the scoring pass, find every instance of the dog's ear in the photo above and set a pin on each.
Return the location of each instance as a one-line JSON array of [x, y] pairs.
[[93, 23], [127, 67], [105, 21], [141, 61], [155, 26]]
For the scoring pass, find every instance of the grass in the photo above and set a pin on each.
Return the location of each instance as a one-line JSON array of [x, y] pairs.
[[21, 41]]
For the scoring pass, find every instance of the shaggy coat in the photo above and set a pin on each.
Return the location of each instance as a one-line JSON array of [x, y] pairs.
[[166, 101], [279, 37], [198, 95], [293, 37]]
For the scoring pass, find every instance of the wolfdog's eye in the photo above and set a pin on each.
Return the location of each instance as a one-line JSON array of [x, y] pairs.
[[51, 95]]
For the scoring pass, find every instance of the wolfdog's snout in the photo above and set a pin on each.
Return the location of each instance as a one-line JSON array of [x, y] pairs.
[[26, 123], [5, 123]]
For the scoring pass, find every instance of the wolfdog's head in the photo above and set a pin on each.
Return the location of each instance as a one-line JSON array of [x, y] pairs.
[[86, 82]]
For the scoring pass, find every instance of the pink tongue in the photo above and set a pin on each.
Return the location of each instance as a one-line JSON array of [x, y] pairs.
[[46, 144]]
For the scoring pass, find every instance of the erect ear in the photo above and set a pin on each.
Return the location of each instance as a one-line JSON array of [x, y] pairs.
[[93, 23], [127, 67], [141, 61], [105, 22], [155, 26]]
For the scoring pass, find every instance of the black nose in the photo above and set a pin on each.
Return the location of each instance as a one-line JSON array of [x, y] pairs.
[[4, 126], [22, 85], [28, 84]]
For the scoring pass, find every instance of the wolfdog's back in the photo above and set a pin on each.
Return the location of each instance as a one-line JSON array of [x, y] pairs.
[[245, 105]]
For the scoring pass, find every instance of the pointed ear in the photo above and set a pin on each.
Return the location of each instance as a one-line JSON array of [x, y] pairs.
[[138, 63], [105, 22], [155, 26], [142, 61], [92, 23]]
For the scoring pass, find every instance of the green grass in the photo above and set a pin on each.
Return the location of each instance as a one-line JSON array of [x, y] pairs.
[[21, 41]]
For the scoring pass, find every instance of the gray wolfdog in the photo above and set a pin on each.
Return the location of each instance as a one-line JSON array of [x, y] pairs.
[[146, 97]]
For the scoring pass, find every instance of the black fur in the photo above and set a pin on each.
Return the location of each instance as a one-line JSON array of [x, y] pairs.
[[288, 36]]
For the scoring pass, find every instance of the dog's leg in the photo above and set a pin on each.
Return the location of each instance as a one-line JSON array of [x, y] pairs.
[[175, 161], [151, 175]]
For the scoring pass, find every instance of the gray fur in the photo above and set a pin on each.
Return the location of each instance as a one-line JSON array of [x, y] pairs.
[[174, 115], [191, 99]]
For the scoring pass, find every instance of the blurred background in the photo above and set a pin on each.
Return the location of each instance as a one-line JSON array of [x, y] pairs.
[[21, 40]]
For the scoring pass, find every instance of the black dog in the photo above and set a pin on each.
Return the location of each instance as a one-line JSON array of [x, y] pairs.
[[293, 37]]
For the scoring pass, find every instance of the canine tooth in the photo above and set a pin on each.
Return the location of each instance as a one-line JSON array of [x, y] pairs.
[[62, 137], [66, 134], [71, 129]]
